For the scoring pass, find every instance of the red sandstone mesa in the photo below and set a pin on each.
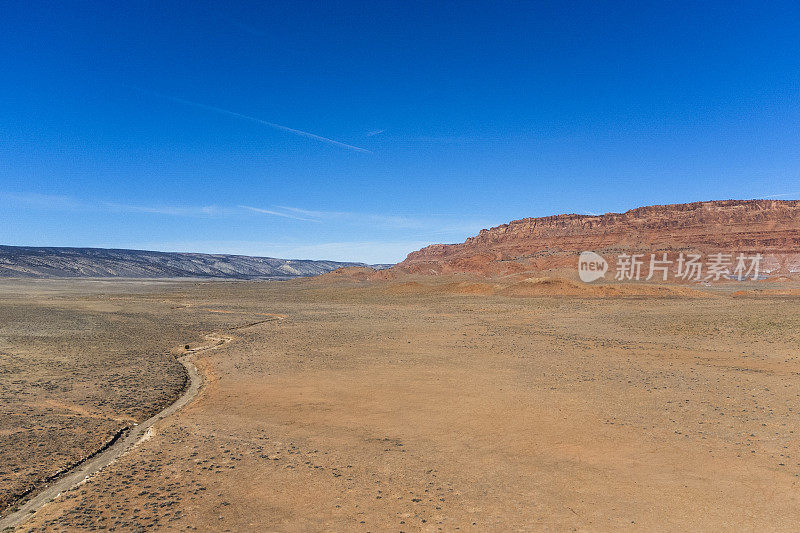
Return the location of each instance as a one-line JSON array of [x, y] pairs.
[[769, 227]]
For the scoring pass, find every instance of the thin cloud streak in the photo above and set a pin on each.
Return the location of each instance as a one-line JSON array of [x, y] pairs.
[[68, 203], [44, 201], [360, 218], [276, 213], [795, 194], [205, 210], [273, 125], [427, 227]]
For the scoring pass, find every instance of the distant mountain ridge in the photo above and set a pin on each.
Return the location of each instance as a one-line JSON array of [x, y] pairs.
[[56, 262]]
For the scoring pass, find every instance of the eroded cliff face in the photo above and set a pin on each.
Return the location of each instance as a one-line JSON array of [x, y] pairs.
[[769, 227]]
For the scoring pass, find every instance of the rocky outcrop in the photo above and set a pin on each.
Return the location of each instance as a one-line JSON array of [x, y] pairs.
[[23, 261], [769, 227]]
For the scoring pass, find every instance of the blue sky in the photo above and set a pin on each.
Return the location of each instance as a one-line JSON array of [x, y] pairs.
[[365, 130]]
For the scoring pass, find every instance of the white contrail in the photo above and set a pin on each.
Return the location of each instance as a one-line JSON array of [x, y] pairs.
[[277, 214], [254, 119]]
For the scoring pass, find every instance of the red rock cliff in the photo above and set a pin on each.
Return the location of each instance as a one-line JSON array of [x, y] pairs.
[[770, 227]]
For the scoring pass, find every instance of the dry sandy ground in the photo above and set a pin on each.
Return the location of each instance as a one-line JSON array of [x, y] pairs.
[[79, 361], [371, 407]]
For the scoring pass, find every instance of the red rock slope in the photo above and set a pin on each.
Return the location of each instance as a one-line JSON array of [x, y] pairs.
[[770, 227]]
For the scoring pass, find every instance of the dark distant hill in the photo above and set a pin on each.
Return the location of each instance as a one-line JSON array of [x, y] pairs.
[[38, 262]]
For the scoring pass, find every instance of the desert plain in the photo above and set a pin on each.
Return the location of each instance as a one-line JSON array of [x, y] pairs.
[[423, 404]]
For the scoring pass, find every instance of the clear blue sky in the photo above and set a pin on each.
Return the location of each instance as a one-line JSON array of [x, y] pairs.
[[184, 126]]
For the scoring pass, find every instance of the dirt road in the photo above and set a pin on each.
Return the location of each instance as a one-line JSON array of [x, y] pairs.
[[122, 442]]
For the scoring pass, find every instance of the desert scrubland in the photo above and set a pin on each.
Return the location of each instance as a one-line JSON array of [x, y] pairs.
[[417, 404], [80, 361]]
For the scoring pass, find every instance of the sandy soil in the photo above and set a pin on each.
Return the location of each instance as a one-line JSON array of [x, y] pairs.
[[80, 361], [375, 407]]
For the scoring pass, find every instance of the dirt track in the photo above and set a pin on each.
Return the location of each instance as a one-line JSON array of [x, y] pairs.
[[121, 444]]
